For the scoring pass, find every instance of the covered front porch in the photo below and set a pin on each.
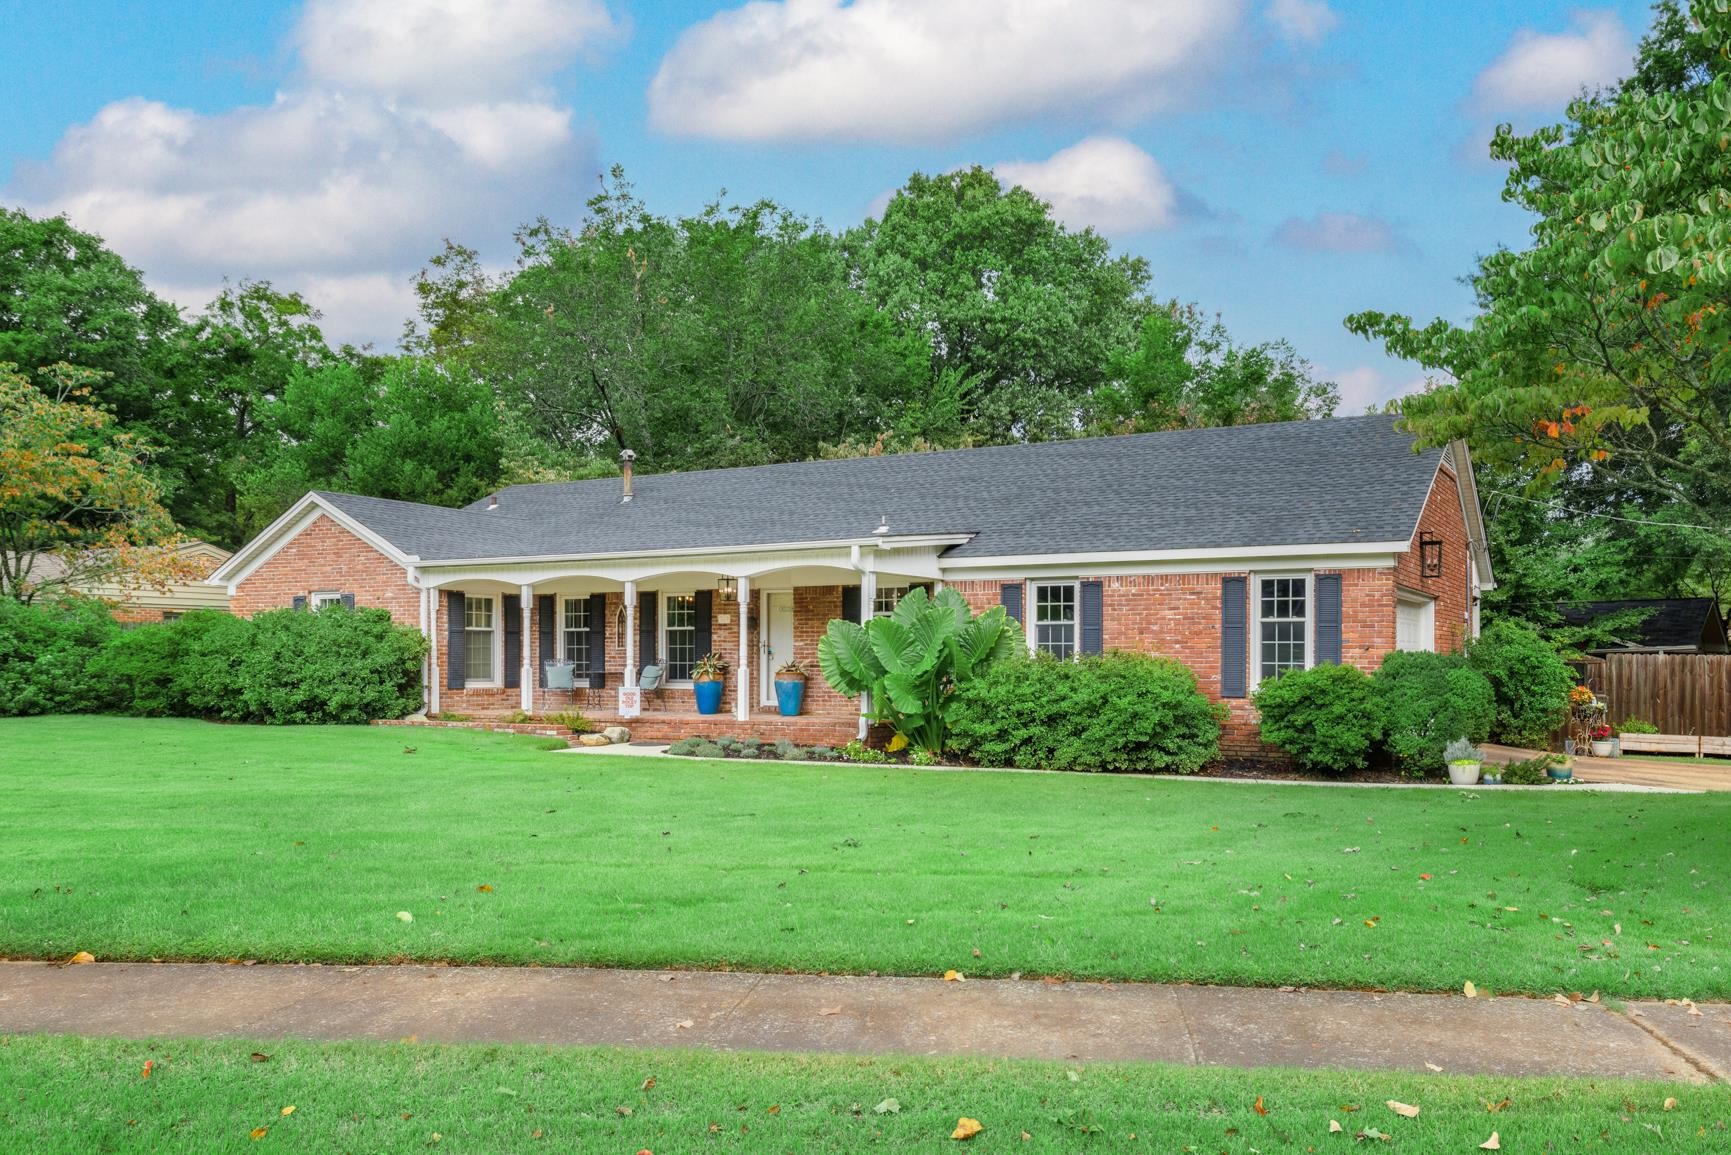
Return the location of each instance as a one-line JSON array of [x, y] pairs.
[[494, 630]]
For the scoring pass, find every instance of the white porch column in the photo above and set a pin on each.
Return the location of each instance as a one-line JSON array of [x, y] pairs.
[[434, 597], [527, 680], [630, 634], [868, 596], [742, 684]]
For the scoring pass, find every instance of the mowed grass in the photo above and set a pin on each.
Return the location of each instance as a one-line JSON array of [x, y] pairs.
[[138, 839], [79, 1095]]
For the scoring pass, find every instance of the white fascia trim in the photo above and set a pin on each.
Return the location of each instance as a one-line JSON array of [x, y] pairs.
[[289, 526], [1472, 513], [905, 542], [1135, 557], [1059, 569]]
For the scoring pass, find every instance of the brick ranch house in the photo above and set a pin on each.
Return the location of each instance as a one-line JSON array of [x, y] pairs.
[[1242, 552]]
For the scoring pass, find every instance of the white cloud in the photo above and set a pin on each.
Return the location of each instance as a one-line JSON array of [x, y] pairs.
[[343, 184], [1539, 70], [905, 70], [1302, 21], [1337, 233], [1366, 386], [1104, 182]]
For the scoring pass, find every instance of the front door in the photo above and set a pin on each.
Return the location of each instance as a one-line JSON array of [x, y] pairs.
[[777, 637]]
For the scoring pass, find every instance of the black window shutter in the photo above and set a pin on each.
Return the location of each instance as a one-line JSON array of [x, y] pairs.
[[597, 635], [1010, 597], [456, 652], [300, 602], [1093, 615], [931, 590], [1234, 637], [546, 617], [512, 607], [850, 603], [348, 601], [703, 609], [1327, 619], [647, 632]]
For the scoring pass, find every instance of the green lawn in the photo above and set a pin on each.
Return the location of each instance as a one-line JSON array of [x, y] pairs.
[[182, 840], [80, 1095]]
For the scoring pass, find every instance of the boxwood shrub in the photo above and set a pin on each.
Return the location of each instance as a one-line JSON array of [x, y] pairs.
[[1530, 681], [1328, 718], [1112, 711], [46, 652], [1428, 699]]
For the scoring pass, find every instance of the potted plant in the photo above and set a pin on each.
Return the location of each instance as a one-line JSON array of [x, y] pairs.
[[1465, 761], [1601, 740], [790, 688], [1491, 775], [707, 678], [1559, 771]]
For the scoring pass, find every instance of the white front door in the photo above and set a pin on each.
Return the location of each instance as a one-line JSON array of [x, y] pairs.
[[1414, 624], [777, 638]]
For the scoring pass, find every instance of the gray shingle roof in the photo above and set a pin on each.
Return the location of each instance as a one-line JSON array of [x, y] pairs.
[[1352, 479]]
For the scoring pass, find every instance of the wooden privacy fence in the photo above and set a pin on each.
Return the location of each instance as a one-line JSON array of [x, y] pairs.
[[1679, 693]]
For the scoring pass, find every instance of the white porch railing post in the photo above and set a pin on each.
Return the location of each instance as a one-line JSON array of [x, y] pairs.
[[742, 699], [433, 597], [527, 596], [630, 634], [868, 596]]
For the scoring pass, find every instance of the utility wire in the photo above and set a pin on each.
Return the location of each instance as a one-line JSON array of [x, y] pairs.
[[1607, 516]]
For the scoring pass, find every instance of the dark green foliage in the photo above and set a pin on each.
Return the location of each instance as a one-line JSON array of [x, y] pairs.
[[1530, 771], [150, 667], [335, 665], [1110, 712], [1530, 681], [1327, 717], [1636, 726], [1427, 700], [46, 654]]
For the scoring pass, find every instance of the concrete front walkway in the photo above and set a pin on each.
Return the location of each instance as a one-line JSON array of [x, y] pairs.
[[735, 1011]]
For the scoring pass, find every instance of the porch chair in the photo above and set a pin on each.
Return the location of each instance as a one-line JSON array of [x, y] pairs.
[[651, 683]]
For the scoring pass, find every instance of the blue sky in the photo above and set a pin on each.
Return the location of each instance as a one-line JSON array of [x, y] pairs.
[[1283, 162]]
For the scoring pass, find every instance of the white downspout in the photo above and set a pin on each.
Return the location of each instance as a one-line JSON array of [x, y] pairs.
[[868, 596], [742, 684], [631, 634]]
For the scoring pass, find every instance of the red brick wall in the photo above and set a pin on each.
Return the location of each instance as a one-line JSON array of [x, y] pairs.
[[325, 556], [1442, 518]]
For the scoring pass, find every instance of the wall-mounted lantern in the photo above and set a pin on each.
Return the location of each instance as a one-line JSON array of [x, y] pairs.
[[1430, 556]]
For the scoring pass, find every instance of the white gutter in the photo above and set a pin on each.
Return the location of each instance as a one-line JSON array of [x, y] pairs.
[[911, 541]]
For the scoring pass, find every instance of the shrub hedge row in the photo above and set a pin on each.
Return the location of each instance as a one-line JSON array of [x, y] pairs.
[[283, 666]]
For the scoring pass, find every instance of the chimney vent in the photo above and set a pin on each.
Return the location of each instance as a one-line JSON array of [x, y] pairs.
[[883, 525], [626, 457], [492, 501]]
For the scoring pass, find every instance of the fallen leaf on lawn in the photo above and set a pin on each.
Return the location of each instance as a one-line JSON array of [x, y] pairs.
[[1404, 1110], [1349, 1108], [953, 977], [1433, 1067], [289, 1110], [1563, 999], [1371, 922], [976, 952], [829, 1011], [1334, 1127], [647, 1083], [1424, 878], [622, 1111], [484, 889], [1492, 1144], [1469, 990], [405, 916], [259, 1132], [1594, 997], [682, 1025], [1493, 1108], [1258, 1107], [149, 1065], [887, 1107], [966, 1128], [81, 958], [1349, 850], [1670, 1104], [1511, 909], [1617, 928], [260, 1057], [1373, 1133], [774, 1109], [1026, 1136]]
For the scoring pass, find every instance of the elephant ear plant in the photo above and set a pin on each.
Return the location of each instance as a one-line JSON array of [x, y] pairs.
[[912, 660]]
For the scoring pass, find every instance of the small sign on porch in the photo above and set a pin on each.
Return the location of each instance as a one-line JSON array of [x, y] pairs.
[[630, 701]]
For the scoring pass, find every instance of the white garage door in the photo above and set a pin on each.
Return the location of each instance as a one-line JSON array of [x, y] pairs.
[[1415, 624]]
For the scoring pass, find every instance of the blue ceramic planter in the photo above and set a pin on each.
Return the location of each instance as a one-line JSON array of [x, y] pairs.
[[708, 696], [789, 695]]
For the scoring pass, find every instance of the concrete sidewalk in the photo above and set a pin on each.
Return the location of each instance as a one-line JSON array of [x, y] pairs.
[[736, 1011]]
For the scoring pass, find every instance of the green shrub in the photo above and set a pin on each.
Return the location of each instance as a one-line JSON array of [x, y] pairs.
[[572, 720], [46, 654], [1531, 771], [1327, 717], [336, 665], [148, 665], [1428, 699], [1530, 681], [857, 751], [1107, 712], [1636, 726]]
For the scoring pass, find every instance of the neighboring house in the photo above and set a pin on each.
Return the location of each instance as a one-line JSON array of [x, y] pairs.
[[1242, 552], [143, 602], [1655, 625]]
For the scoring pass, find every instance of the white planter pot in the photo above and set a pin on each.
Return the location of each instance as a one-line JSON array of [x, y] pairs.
[[1464, 773], [1602, 749]]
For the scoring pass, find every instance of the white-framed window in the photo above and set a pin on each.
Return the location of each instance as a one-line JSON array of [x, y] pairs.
[[1281, 605], [480, 637], [322, 598], [888, 597], [1052, 620], [679, 636], [574, 633]]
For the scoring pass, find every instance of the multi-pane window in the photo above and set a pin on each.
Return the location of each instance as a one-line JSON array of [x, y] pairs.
[[1283, 614], [1055, 619], [575, 629], [681, 636], [478, 631], [887, 599], [321, 599]]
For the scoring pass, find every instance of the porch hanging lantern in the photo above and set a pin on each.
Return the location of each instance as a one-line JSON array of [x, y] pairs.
[[1430, 555], [727, 585]]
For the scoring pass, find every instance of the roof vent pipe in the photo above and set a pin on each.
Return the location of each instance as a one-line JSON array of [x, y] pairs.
[[492, 501], [883, 526], [626, 457]]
